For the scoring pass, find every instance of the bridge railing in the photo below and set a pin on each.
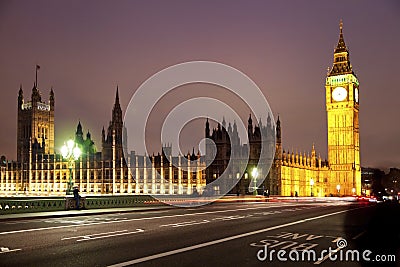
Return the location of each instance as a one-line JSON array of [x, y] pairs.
[[120, 201], [9, 205], [22, 205]]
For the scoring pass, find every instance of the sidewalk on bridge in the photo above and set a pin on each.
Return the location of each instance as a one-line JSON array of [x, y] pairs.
[[83, 212], [88, 212]]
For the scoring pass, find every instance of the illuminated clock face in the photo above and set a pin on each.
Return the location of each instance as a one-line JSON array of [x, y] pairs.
[[356, 95], [339, 94]]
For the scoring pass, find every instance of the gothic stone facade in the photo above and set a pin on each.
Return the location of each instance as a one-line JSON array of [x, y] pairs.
[[40, 170], [294, 173]]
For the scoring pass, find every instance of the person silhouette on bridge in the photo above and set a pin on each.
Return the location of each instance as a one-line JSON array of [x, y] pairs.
[[76, 196]]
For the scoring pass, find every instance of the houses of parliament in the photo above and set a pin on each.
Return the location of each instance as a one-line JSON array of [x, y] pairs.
[[41, 170]]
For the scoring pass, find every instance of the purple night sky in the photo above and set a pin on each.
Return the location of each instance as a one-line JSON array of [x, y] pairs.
[[86, 48]]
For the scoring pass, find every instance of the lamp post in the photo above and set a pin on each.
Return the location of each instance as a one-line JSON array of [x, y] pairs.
[[254, 173], [311, 184], [338, 189], [353, 190], [71, 152]]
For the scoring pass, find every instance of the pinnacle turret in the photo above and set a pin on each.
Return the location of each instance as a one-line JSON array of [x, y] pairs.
[[117, 97]]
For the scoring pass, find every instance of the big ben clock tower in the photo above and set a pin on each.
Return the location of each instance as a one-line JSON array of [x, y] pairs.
[[342, 106]]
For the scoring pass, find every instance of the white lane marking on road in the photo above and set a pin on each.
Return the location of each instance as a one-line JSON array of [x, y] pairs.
[[228, 218], [267, 213], [218, 241], [327, 256], [83, 220], [359, 235], [129, 220], [88, 236], [7, 250], [185, 223], [171, 224], [18, 222], [87, 218]]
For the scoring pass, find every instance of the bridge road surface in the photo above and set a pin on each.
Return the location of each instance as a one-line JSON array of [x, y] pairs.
[[221, 234]]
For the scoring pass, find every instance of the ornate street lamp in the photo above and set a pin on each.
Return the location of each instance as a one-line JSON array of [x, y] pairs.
[[254, 173], [311, 184], [71, 152], [338, 189]]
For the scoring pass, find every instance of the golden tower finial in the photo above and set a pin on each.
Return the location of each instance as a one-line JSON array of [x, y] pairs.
[[341, 25]]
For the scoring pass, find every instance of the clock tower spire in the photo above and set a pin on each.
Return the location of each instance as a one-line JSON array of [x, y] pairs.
[[342, 106], [341, 57]]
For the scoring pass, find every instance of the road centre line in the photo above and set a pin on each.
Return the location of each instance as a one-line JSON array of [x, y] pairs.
[[58, 219], [18, 222], [230, 238], [229, 218], [129, 220], [171, 224], [83, 236], [185, 223], [111, 235]]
